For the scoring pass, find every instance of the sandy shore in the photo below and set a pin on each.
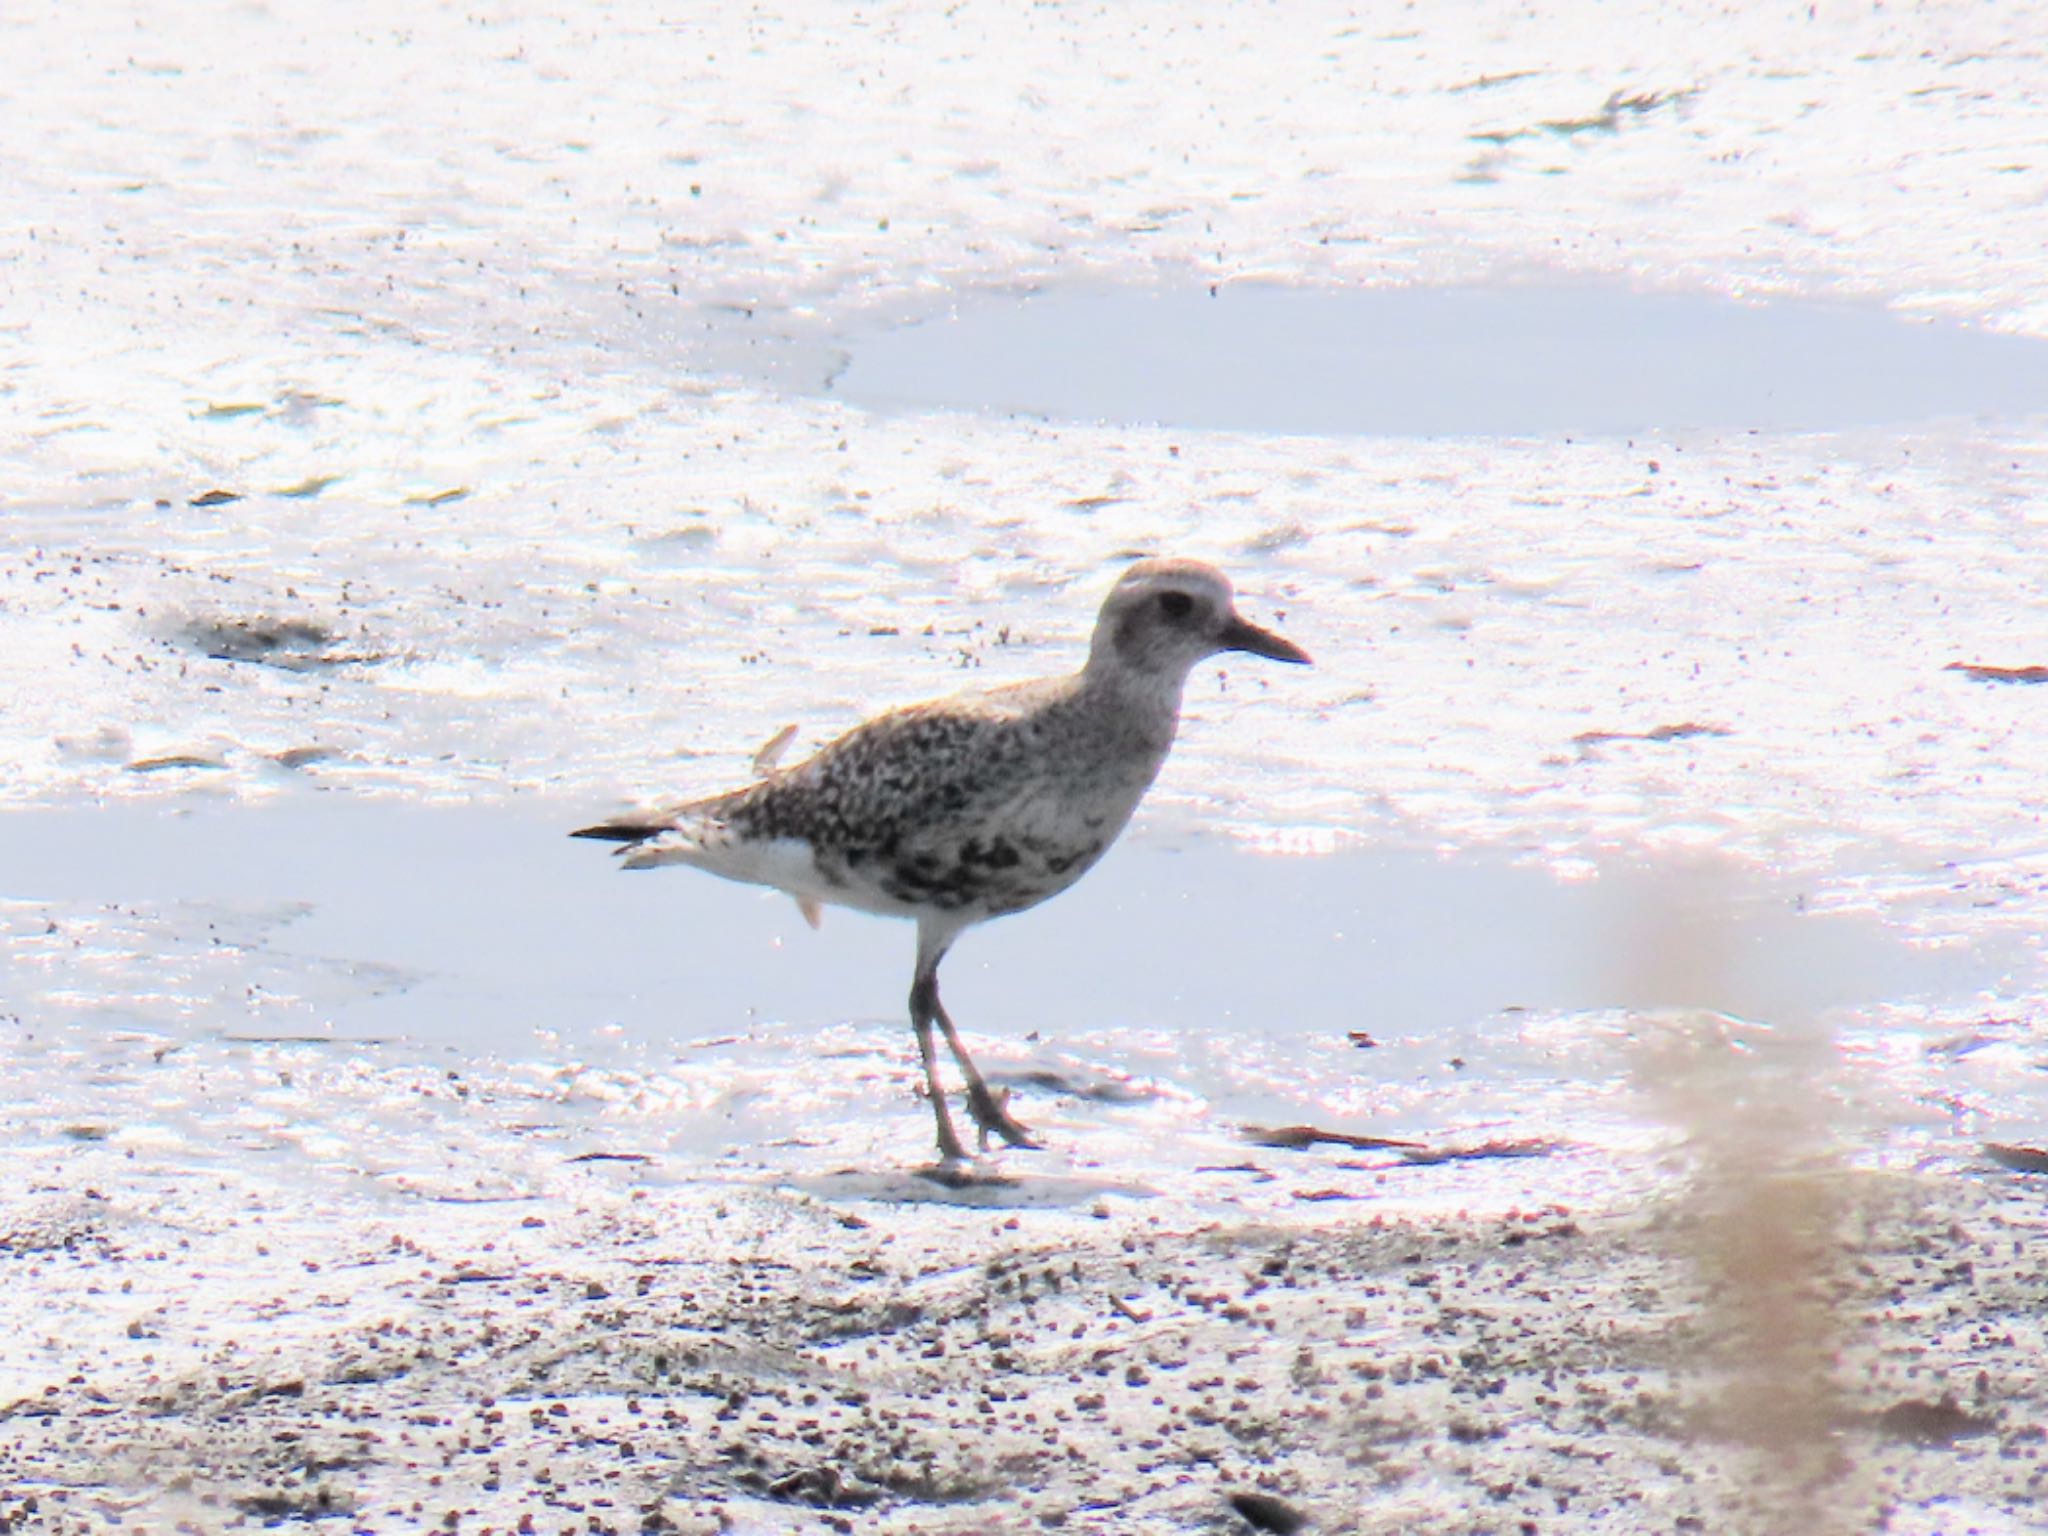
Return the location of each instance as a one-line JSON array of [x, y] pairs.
[[1551, 1344]]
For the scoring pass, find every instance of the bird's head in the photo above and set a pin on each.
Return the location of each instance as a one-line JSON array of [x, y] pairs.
[[1165, 616]]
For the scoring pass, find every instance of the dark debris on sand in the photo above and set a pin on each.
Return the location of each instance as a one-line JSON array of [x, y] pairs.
[[690, 1360]]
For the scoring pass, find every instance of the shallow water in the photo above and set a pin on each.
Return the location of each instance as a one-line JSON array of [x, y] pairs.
[[481, 926], [1511, 360], [1186, 988]]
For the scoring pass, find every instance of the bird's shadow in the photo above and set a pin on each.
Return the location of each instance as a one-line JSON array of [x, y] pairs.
[[967, 1185]]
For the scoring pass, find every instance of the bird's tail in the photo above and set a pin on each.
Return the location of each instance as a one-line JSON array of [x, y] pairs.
[[650, 839], [627, 829]]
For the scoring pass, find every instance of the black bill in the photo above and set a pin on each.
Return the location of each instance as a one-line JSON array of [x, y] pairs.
[[1239, 635]]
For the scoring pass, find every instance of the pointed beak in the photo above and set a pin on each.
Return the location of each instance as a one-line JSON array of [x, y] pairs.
[[1238, 635]]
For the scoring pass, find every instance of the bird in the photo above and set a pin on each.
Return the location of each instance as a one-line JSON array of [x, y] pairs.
[[969, 807]]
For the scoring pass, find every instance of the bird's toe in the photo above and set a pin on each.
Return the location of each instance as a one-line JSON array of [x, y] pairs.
[[991, 1113]]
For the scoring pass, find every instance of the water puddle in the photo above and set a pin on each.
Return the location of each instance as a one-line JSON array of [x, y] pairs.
[[483, 926], [1516, 360], [371, 968]]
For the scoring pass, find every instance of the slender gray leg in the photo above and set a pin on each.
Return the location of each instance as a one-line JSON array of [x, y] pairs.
[[990, 1114], [932, 945], [924, 1007]]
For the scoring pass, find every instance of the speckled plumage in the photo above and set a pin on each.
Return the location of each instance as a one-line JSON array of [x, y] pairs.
[[974, 806], [977, 806]]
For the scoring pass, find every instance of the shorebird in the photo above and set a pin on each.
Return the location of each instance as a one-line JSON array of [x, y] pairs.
[[969, 807]]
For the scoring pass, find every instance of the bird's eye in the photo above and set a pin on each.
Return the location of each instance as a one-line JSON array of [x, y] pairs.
[[1176, 605]]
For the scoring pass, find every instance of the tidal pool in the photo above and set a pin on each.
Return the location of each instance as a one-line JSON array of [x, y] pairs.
[[1516, 360]]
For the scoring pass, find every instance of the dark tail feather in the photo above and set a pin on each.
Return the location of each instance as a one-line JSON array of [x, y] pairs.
[[627, 829]]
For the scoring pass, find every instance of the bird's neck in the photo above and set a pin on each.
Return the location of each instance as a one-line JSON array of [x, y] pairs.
[[1144, 704]]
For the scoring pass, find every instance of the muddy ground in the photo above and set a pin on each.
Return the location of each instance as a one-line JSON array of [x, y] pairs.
[[439, 403], [1667, 1347]]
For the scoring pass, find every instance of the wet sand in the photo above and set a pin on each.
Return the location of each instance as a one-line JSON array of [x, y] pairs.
[[407, 1167], [439, 404], [410, 1180], [1557, 1345], [342, 1193]]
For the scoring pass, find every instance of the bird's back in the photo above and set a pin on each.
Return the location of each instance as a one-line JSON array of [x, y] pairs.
[[979, 804]]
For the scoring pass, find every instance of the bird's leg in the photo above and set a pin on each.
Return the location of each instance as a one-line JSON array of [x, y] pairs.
[[990, 1112], [924, 1005]]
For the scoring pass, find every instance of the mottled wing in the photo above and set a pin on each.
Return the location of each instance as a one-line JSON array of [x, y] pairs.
[[922, 769], [981, 805], [932, 771]]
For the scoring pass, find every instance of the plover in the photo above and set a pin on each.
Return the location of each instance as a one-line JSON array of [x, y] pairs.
[[973, 806]]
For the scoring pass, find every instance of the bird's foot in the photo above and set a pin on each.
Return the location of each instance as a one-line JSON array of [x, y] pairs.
[[991, 1112], [955, 1169], [960, 1173]]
